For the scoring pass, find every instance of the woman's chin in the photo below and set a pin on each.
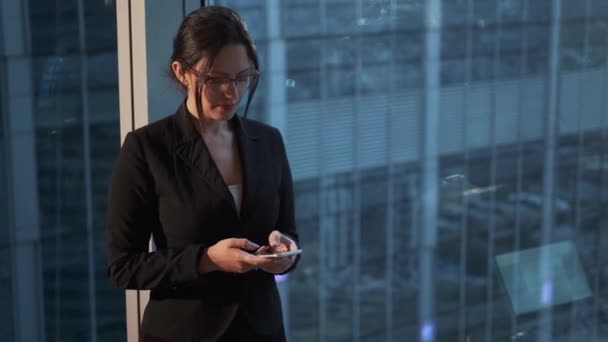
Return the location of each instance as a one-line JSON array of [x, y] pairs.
[[220, 114], [228, 115]]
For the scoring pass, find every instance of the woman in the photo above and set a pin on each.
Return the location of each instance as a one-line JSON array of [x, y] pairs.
[[214, 191]]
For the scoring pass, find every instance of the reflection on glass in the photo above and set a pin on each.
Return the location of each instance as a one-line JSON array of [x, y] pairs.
[[64, 104], [355, 91], [526, 288]]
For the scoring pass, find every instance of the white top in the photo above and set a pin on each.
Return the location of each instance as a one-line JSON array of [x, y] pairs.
[[237, 193]]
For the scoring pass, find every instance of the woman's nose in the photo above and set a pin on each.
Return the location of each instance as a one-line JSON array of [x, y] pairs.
[[232, 89]]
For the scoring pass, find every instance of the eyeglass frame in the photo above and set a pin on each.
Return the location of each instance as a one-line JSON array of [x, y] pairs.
[[232, 80]]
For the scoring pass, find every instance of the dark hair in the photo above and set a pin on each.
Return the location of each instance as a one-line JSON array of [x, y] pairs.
[[203, 33]]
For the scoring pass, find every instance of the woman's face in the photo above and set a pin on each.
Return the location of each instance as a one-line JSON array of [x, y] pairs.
[[226, 83]]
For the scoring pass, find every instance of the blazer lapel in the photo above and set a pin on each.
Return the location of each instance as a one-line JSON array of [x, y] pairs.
[[247, 152], [193, 151]]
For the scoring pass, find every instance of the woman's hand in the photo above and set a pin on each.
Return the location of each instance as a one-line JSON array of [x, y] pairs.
[[277, 243], [231, 255]]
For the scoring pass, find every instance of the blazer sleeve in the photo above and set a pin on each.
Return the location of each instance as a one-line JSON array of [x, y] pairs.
[[131, 219], [286, 224]]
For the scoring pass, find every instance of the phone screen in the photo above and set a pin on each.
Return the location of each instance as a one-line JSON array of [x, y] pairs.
[[281, 254]]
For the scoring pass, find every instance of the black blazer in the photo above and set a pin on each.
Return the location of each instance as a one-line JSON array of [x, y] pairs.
[[166, 184]]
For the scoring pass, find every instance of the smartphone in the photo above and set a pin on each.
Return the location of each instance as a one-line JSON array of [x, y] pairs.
[[281, 254]]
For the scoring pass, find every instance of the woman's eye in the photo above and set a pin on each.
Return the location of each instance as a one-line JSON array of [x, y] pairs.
[[218, 81]]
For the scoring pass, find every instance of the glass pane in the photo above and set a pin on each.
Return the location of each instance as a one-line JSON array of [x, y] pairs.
[[68, 111], [510, 247], [303, 85], [6, 316], [56, 24], [299, 19], [6, 325]]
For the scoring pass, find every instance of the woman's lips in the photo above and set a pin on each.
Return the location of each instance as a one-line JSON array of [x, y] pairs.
[[226, 106]]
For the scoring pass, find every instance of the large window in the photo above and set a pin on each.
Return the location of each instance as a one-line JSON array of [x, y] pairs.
[[6, 317], [449, 158], [75, 99], [62, 138], [414, 230]]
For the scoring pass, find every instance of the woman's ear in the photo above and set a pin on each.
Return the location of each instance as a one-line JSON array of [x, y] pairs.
[[179, 73]]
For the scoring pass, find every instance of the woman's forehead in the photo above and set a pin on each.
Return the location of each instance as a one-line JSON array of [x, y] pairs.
[[230, 60]]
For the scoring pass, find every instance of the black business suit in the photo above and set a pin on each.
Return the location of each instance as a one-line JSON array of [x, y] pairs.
[[165, 184]]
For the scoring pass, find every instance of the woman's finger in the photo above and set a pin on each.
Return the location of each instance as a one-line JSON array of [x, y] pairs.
[[290, 243], [262, 250], [275, 238]]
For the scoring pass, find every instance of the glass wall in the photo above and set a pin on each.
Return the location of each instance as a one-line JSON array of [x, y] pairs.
[[77, 139], [6, 316], [70, 56], [479, 219], [449, 159], [77, 131]]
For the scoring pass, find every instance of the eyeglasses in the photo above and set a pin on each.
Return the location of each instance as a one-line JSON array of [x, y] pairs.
[[241, 82]]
